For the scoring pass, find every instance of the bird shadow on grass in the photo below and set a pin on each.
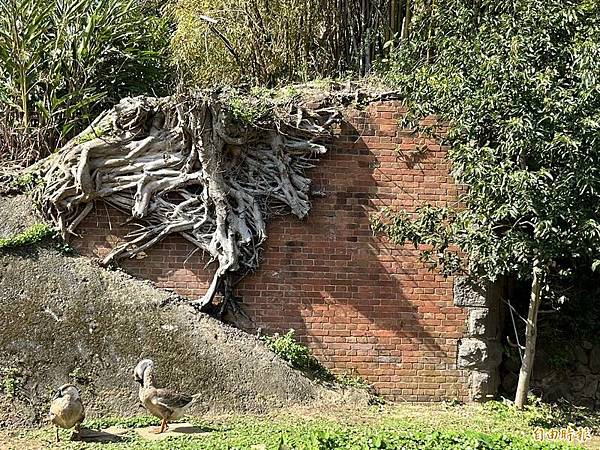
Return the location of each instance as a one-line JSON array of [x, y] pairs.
[[192, 429], [89, 435]]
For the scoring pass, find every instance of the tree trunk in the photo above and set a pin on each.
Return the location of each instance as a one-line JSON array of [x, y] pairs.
[[530, 338]]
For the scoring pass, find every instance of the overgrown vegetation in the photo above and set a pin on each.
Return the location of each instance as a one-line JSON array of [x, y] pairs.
[[276, 42], [62, 62], [519, 83], [32, 235]]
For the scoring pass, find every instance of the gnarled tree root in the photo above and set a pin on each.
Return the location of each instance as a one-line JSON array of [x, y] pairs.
[[188, 167]]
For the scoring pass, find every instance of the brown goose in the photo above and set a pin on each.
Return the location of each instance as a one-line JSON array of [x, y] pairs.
[[66, 409], [162, 403]]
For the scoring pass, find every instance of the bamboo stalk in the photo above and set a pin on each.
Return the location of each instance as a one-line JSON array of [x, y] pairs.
[[407, 20]]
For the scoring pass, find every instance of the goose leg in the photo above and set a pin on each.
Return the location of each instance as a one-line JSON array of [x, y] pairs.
[[163, 425], [57, 439], [77, 434]]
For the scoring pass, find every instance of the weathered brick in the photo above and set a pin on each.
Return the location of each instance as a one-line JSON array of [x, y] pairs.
[[362, 304]]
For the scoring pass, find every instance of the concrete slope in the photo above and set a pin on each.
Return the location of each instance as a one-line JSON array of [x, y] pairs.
[[63, 319]]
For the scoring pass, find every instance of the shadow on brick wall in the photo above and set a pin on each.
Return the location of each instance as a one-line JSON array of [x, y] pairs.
[[364, 306]]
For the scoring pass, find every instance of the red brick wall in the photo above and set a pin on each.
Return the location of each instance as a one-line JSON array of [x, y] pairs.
[[364, 306]]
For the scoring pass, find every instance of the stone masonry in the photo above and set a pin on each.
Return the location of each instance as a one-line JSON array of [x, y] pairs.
[[480, 351]]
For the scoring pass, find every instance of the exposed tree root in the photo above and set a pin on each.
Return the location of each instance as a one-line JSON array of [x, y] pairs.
[[187, 167]]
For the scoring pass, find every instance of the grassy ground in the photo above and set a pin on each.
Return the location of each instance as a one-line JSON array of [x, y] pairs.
[[436, 427]]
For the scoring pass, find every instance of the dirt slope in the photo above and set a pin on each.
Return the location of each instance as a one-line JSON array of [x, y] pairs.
[[64, 319]]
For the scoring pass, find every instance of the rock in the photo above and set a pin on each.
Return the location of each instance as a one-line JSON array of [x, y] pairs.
[[174, 430], [595, 359], [580, 355], [580, 369], [477, 323], [557, 391], [469, 293], [110, 434], [555, 388], [578, 383], [475, 353], [591, 385], [542, 367], [484, 322], [483, 385], [22, 215], [550, 380], [509, 382]]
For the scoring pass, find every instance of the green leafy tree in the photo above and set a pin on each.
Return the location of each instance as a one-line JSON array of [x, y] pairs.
[[519, 83]]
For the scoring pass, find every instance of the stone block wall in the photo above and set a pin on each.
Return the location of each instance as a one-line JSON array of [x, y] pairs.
[[480, 351], [576, 379], [364, 306]]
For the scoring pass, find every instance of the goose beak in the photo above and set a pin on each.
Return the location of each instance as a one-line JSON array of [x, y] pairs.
[[57, 394]]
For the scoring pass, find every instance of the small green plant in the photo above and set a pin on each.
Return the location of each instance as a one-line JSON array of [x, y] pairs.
[[247, 110], [11, 381], [32, 235], [26, 182], [346, 379], [23, 181], [298, 355], [79, 376], [64, 248], [96, 132]]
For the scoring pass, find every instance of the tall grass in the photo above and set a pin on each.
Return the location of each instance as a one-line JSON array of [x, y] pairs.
[[278, 41], [61, 61]]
